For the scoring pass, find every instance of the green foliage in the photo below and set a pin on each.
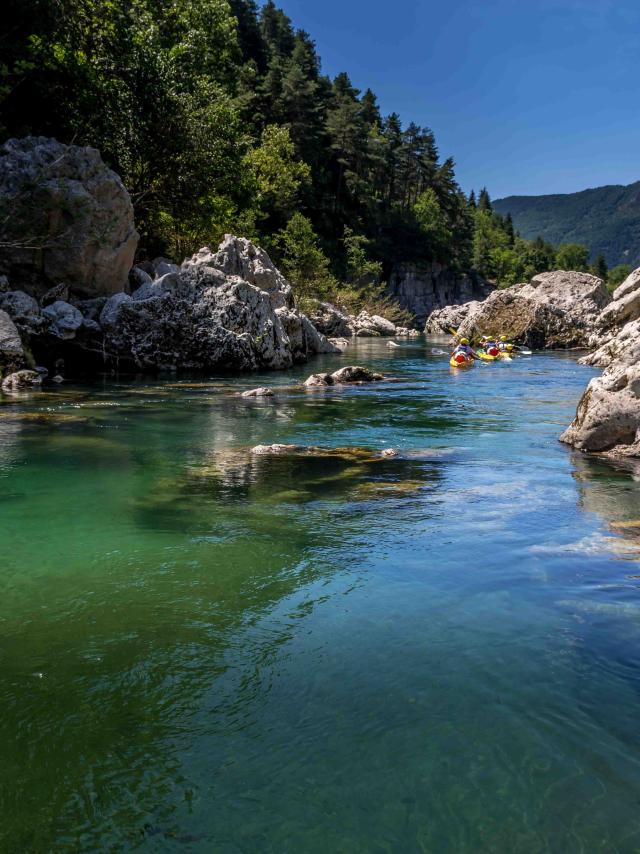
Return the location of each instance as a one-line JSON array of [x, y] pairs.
[[302, 260], [360, 269], [276, 172], [500, 255], [606, 219], [218, 118], [572, 256], [599, 268], [433, 222], [617, 275]]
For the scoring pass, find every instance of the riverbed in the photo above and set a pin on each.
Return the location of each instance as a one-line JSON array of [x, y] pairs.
[[203, 650]]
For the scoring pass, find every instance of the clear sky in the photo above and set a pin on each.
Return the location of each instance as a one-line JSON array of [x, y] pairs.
[[528, 96]]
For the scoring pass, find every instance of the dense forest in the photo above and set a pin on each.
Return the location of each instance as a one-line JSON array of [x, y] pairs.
[[218, 117], [607, 219]]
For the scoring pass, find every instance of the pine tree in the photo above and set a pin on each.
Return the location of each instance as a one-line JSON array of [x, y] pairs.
[[484, 200], [600, 268]]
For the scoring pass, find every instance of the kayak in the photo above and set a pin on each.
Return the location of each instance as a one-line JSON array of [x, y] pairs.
[[505, 357], [485, 356], [466, 363]]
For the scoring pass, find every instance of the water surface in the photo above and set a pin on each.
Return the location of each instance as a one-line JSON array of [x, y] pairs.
[[201, 650]]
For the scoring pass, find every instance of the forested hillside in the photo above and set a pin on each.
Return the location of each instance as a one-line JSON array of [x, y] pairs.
[[606, 219], [218, 118]]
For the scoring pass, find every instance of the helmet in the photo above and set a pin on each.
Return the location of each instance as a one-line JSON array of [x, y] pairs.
[[509, 346], [464, 340], [503, 337]]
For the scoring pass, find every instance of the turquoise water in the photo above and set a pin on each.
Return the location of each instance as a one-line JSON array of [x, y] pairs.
[[201, 650]]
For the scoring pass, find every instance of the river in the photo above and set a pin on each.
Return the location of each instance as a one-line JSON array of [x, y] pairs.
[[206, 651]]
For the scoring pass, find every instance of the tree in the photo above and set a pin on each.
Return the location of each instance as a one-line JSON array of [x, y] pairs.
[[276, 172], [359, 268], [484, 200], [303, 261], [572, 256], [599, 268], [433, 223]]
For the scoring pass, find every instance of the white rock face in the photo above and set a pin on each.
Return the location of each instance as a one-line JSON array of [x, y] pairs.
[[193, 317], [442, 321], [237, 256], [207, 316], [63, 199], [554, 310], [608, 415]]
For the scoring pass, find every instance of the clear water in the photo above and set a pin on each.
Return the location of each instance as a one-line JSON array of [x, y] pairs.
[[203, 651]]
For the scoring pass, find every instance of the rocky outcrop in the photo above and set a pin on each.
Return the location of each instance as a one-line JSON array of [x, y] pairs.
[[423, 289], [197, 316], [336, 324], [443, 320], [330, 320], [64, 218], [608, 416], [554, 310]]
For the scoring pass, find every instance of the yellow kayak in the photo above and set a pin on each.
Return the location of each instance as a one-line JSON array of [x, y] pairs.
[[485, 356], [467, 363], [505, 357]]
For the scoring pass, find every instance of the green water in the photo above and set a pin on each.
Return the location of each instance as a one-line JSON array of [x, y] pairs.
[[205, 651]]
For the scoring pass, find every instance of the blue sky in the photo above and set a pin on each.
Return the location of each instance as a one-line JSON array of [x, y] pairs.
[[528, 96]]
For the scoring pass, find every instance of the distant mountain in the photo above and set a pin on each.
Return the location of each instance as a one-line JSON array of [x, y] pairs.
[[606, 219]]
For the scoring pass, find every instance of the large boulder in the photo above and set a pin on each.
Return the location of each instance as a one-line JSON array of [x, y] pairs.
[[555, 310], [608, 415], [330, 320], [367, 325], [206, 317], [64, 217], [24, 309], [444, 320], [63, 319]]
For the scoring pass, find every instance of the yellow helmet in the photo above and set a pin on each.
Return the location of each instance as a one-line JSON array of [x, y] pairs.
[[464, 340], [509, 346], [503, 337]]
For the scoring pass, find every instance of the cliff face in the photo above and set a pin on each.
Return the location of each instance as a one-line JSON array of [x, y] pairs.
[[422, 289]]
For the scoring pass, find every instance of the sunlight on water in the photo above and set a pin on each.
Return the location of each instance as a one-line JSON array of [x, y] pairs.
[[207, 650]]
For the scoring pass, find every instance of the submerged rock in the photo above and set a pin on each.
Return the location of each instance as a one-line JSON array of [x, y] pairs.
[[348, 374], [356, 374], [258, 392]]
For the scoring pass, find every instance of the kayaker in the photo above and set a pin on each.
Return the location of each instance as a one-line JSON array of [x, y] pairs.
[[466, 349], [490, 346], [504, 343]]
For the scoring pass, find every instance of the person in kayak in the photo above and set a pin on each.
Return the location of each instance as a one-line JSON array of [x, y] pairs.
[[504, 343], [466, 349], [490, 346]]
